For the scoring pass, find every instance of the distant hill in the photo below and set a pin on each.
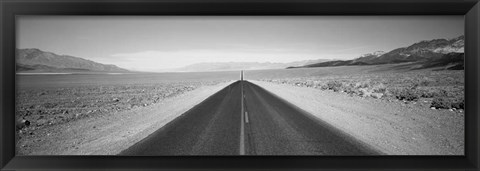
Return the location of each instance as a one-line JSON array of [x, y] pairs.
[[432, 53], [451, 61], [35, 60], [233, 66]]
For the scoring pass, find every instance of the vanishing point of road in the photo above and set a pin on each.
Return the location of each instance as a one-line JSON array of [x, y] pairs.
[[245, 119]]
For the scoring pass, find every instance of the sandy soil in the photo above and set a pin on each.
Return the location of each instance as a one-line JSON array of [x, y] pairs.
[[394, 127], [109, 134]]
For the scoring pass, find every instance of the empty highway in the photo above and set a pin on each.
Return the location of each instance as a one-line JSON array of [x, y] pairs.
[[245, 119]]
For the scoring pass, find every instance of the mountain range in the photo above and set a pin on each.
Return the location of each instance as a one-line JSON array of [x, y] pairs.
[[447, 53], [35, 60], [425, 54], [235, 66]]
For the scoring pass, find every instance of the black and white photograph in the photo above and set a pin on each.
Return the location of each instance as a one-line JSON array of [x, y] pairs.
[[240, 85]]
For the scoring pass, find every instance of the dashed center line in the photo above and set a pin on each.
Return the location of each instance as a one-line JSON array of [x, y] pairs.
[[242, 131], [246, 117]]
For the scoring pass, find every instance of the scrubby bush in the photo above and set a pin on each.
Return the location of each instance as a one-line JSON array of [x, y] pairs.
[[360, 85], [379, 88], [364, 92], [441, 103], [414, 86], [408, 94], [377, 95], [310, 83], [426, 93], [459, 104], [350, 89], [441, 93], [448, 103], [333, 85], [424, 83], [430, 93]]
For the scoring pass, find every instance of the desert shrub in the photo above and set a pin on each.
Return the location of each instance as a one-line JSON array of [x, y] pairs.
[[408, 94], [414, 86], [299, 83], [364, 92], [377, 95], [350, 89], [427, 94], [441, 103], [317, 84], [379, 88], [360, 85], [333, 85], [448, 103], [323, 86], [441, 93], [459, 103], [310, 83], [432, 92], [425, 82]]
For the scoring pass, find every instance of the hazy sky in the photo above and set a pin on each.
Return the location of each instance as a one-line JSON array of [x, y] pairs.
[[152, 43]]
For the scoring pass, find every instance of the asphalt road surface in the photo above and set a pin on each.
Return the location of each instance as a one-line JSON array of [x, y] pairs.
[[245, 119]]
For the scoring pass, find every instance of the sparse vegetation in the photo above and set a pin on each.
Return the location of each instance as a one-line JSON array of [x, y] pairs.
[[445, 89], [448, 103], [47, 106], [406, 93], [333, 85]]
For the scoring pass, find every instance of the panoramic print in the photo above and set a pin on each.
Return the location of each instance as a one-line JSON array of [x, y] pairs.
[[231, 85]]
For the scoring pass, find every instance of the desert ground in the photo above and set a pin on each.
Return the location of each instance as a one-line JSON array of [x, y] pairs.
[[397, 110], [56, 114]]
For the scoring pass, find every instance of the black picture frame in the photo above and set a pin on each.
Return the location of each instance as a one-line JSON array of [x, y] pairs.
[[10, 8]]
